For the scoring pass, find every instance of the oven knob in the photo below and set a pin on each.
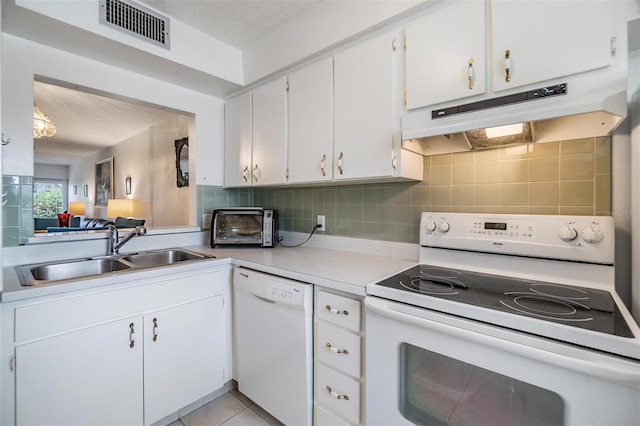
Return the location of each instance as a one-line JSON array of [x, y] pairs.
[[430, 226], [444, 226], [592, 234], [567, 233]]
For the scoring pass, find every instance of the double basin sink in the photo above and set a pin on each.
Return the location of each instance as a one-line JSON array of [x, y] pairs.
[[46, 273]]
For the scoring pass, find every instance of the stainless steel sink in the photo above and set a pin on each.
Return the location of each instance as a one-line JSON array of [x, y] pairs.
[[31, 275], [46, 273], [162, 257]]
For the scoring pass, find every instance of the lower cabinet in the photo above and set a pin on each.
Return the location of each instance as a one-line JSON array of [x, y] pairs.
[[338, 359], [87, 364]]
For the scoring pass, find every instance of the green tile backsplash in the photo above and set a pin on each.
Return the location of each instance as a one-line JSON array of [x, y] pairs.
[[572, 177]]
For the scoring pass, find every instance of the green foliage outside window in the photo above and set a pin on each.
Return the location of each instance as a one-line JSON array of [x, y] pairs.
[[47, 199]]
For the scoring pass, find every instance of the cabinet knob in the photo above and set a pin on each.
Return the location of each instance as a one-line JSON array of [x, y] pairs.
[[323, 165], [340, 163], [471, 75], [507, 65]]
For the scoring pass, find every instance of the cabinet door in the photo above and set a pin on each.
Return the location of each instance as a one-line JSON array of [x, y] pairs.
[[364, 109], [444, 65], [269, 133], [185, 362], [237, 141], [88, 377], [311, 123], [548, 39]]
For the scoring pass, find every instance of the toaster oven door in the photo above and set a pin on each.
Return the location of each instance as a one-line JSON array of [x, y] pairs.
[[238, 227]]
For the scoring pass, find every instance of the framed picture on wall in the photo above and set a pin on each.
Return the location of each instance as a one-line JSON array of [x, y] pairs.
[[104, 181]]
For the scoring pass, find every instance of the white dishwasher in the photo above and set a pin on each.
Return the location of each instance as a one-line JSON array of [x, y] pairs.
[[274, 344]]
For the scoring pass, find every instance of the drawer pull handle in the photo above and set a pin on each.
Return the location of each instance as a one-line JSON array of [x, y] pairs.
[[336, 395], [336, 350], [132, 336], [155, 329], [335, 311]]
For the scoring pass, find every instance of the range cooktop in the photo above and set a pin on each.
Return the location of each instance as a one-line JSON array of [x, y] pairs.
[[582, 307]]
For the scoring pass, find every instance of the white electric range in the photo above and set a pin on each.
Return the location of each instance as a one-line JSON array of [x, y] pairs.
[[507, 319]]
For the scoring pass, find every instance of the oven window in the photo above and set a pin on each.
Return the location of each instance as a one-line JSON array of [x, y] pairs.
[[438, 390]]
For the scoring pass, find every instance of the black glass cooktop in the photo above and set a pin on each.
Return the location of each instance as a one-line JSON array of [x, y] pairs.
[[586, 308]]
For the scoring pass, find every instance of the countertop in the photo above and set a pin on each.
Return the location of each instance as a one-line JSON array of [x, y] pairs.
[[340, 270]]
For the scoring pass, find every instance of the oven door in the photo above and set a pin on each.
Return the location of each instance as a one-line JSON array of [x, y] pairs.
[[429, 368]]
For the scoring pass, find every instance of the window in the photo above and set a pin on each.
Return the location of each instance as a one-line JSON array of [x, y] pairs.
[[49, 197]]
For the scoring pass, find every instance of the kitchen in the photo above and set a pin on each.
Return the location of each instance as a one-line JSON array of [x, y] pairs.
[[261, 61]]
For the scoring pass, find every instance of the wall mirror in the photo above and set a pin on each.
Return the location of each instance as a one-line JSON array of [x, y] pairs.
[[182, 162]]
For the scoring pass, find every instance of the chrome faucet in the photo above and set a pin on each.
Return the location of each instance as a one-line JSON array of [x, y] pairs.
[[113, 246]]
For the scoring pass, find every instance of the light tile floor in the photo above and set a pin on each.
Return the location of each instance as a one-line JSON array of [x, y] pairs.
[[232, 408]]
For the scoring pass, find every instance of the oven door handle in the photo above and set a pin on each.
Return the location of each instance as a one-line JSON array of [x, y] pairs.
[[600, 368]]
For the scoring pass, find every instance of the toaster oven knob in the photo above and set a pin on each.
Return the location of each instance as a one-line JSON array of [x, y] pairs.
[[592, 234], [444, 226], [430, 226], [567, 233]]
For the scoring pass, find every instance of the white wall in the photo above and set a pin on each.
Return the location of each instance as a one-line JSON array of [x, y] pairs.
[[51, 171], [149, 159], [22, 59]]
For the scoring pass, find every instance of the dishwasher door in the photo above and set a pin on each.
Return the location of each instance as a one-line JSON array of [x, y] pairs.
[[274, 344]]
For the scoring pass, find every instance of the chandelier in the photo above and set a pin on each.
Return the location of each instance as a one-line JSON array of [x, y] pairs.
[[42, 125]]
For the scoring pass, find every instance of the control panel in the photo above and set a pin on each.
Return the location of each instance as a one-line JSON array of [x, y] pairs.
[[284, 293], [581, 238]]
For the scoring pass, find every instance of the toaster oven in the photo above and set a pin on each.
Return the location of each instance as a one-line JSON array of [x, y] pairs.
[[248, 226]]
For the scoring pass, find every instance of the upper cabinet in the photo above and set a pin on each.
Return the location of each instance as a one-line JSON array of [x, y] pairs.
[[444, 65], [310, 113], [333, 120], [518, 43], [255, 137], [238, 140], [269, 133], [535, 41]]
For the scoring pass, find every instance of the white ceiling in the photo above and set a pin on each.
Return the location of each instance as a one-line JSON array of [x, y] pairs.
[[237, 23], [87, 123]]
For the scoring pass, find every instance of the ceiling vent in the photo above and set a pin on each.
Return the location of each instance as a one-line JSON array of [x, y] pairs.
[[135, 19]]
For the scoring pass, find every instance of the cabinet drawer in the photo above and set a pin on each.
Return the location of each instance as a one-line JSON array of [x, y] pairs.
[[339, 385], [327, 418], [331, 339], [339, 310]]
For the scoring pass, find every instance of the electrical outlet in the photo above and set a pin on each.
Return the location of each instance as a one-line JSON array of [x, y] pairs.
[[206, 221], [321, 222]]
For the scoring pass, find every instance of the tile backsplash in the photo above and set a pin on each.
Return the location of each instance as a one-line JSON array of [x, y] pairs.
[[567, 177]]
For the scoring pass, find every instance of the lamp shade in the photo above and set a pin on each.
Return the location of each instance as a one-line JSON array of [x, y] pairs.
[[77, 208], [119, 207]]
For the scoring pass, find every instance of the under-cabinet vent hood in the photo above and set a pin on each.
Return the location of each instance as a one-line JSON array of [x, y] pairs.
[[547, 114]]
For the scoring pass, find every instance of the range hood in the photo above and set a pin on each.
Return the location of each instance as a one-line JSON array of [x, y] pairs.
[[552, 113]]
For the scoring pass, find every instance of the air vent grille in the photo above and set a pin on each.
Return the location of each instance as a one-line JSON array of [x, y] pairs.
[[135, 19]]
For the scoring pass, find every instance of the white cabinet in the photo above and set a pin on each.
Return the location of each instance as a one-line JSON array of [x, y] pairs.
[[444, 65], [269, 133], [86, 377], [238, 140], [182, 360], [339, 120], [255, 137], [338, 359], [548, 39], [364, 109], [127, 356], [310, 119]]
